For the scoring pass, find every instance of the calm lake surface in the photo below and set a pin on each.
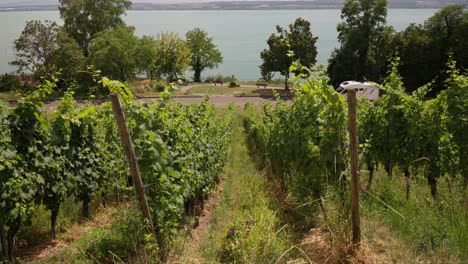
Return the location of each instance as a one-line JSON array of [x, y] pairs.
[[240, 35]]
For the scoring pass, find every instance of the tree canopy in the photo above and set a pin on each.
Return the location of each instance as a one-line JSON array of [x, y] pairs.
[[425, 49], [68, 58], [205, 54], [367, 45], [113, 52], [164, 56], [299, 39], [172, 56], [360, 33], [44, 49], [146, 56], [85, 18]]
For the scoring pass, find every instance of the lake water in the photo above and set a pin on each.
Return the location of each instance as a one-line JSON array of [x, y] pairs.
[[240, 35]]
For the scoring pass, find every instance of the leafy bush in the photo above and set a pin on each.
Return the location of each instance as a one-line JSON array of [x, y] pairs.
[[230, 79], [153, 86], [215, 78], [9, 82], [221, 78], [26, 161]]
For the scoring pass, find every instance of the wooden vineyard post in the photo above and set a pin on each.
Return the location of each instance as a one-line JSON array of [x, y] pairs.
[[132, 161], [355, 182]]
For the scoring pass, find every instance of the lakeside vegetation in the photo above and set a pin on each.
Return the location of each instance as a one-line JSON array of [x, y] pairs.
[[111, 47]]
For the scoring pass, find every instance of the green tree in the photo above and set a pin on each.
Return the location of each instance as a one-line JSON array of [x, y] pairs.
[[275, 59], [44, 49], [205, 54], [173, 56], [113, 52], [146, 53], [359, 34], [68, 58], [449, 28], [425, 49], [299, 39], [85, 18], [415, 49]]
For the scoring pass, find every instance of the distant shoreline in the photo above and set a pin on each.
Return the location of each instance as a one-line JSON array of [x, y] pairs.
[[233, 5], [29, 9]]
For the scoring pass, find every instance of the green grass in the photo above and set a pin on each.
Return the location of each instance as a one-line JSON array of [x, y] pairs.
[[148, 89], [7, 96], [279, 83], [247, 204], [238, 91], [39, 230], [437, 228], [117, 235], [113, 234], [210, 89]]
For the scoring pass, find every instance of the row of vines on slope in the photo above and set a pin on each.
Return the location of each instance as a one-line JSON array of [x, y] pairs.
[[304, 142], [76, 152], [417, 135]]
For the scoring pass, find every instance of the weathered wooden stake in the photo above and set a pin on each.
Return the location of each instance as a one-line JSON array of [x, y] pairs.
[[3, 242], [132, 161], [355, 182]]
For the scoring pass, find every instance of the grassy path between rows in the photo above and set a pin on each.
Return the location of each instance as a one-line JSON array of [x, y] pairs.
[[245, 226]]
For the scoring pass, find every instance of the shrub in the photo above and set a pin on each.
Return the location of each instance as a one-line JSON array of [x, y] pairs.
[[153, 86], [230, 79], [221, 78], [215, 78], [9, 82]]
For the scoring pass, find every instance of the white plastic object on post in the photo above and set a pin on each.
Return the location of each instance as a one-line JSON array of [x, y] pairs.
[[367, 89]]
